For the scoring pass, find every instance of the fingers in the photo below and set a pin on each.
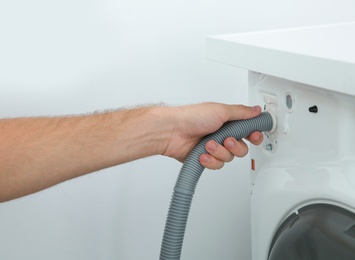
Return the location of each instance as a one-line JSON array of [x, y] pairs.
[[255, 138], [219, 154], [210, 162], [237, 147], [218, 151], [237, 112]]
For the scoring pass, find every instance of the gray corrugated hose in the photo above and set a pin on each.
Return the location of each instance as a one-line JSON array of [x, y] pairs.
[[189, 176]]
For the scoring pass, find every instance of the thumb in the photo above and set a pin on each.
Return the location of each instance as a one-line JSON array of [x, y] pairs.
[[238, 112]]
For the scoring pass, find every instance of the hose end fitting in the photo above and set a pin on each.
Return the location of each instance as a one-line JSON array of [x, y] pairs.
[[272, 111]]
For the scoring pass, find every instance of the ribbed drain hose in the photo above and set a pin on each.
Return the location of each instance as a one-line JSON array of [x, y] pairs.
[[189, 176]]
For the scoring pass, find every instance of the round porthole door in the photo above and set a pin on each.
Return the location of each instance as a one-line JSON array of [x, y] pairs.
[[317, 232]]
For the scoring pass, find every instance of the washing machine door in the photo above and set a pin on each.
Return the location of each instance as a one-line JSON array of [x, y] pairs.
[[317, 232]]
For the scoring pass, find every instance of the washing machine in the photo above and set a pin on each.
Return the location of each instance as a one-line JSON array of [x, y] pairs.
[[303, 174]]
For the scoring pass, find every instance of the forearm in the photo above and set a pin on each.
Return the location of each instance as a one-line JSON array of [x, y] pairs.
[[37, 153]]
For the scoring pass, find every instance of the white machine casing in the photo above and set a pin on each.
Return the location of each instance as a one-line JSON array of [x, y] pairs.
[[308, 159], [303, 174]]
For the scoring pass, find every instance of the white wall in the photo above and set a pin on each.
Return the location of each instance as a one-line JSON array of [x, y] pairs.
[[65, 57]]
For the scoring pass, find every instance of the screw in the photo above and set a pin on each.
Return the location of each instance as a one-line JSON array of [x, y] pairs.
[[268, 147]]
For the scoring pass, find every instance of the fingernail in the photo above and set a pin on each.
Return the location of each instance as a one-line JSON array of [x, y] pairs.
[[205, 159], [256, 138], [212, 146], [230, 144], [256, 108]]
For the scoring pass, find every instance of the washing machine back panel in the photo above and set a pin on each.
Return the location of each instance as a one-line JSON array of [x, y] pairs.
[[310, 158], [322, 135]]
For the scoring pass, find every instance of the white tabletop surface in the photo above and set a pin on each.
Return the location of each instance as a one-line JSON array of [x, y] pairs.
[[321, 56]]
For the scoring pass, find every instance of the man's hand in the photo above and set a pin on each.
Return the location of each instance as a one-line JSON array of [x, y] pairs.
[[192, 123]]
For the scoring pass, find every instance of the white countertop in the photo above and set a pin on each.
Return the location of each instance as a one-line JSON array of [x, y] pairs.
[[321, 56]]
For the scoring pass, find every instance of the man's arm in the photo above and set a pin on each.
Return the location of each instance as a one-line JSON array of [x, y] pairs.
[[36, 153]]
